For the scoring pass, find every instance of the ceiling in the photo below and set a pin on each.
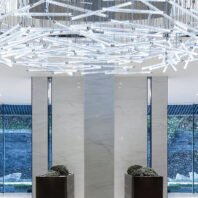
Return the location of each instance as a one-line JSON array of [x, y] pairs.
[[15, 85], [90, 36]]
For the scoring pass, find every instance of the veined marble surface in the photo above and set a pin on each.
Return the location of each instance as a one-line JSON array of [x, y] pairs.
[[39, 129], [159, 127], [99, 137], [68, 127], [130, 127]]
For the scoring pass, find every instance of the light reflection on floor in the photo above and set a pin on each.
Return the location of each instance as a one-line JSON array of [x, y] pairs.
[[16, 195], [171, 195], [182, 195]]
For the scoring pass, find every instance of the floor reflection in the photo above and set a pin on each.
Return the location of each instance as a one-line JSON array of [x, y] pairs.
[[170, 195]]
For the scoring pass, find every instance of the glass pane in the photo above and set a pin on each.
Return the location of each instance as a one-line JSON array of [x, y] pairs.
[[49, 141], [1, 154], [49, 123], [149, 106], [195, 151], [18, 154], [149, 140], [180, 144]]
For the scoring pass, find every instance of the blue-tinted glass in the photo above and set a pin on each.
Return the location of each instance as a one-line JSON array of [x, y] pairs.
[[49, 123], [195, 151], [180, 155], [149, 140], [1, 154], [49, 141], [149, 132], [18, 154]]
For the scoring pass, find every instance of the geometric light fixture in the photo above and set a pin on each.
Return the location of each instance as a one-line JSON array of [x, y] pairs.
[[105, 36]]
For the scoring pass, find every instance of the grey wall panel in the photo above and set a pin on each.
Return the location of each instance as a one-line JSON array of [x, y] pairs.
[[68, 127], [159, 127], [130, 127], [39, 128], [99, 137]]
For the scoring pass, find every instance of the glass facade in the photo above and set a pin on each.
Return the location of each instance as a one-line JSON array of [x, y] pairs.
[[195, 154], [15, 148], [1, 154], [149, 112], [49, 123], [180, 156], [183, 148]]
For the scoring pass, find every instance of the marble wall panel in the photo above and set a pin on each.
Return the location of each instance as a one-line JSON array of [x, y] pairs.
[[130, 127], [68, 127], [99, 137], [159, 127], [39, 128]]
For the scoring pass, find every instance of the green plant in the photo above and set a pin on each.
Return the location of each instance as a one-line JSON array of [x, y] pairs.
[[56, 171], [139, 171], [61, 169], [132, 169]]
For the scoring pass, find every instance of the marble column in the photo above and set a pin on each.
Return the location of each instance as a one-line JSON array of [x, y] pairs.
[[39, 128], [159, 127], [99, 137], [130, 127], [68, 127]]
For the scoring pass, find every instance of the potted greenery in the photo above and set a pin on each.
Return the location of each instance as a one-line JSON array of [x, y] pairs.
[[57, 183], [142, 182]]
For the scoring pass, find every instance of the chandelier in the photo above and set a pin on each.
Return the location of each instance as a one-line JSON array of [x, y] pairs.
[[79, 37]]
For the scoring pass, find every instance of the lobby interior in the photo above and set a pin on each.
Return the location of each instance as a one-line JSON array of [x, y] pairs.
[[98, 86]]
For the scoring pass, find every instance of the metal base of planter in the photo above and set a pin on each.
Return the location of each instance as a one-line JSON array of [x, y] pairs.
[[143, 187], [55, 187]]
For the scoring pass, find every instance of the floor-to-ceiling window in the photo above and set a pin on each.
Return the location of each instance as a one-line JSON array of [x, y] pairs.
[[195, 148], [182, 148], [15, 148], [1, 152], [149, 117]]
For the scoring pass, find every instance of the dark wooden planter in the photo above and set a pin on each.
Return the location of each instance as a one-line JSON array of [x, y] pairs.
[[55, 187], [143, 187]]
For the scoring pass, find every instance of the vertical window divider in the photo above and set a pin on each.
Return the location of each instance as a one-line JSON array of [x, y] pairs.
[[149, 124], [193, 150], [3, 121], [49, 122]]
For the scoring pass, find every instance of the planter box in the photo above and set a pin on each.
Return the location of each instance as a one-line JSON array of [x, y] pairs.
[[55, 187], [143, 187]]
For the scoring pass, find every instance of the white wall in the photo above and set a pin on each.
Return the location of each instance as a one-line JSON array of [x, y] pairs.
[[130, 127], [113, 137], [68, 127], [99, 137], [15, 85], [39, 129], [159, 128]]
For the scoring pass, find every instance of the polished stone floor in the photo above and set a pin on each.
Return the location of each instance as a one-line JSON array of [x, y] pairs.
[[171, 195], [182, 195], [16, 195]]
